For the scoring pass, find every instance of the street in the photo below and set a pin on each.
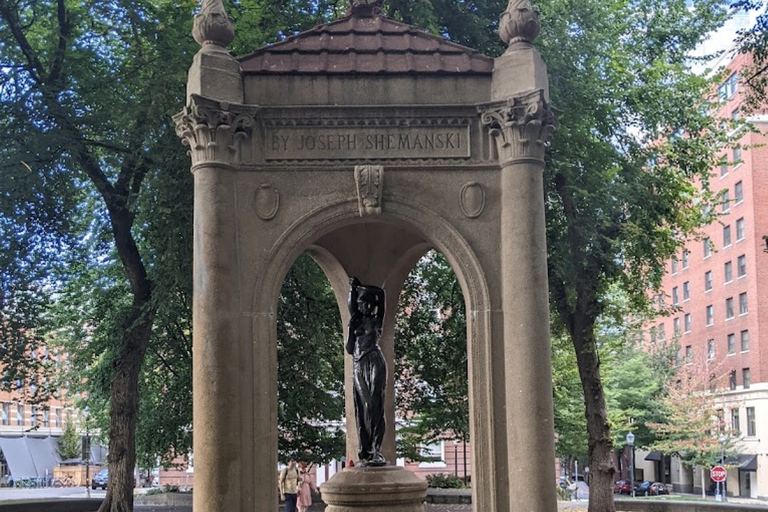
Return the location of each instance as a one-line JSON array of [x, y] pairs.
[[10, 493]]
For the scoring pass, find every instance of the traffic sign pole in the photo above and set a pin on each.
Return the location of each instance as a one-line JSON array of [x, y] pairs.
[[718, 474]]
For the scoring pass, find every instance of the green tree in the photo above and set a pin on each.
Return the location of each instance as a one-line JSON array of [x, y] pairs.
[[635, 133], [310, 366], [432, 392], [87, 90], [694, 427], [70, 445]]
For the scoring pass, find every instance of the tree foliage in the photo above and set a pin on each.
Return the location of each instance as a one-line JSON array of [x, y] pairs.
[[432, 394], [694, 430], [70, 446], [636, 133], [310, 366]]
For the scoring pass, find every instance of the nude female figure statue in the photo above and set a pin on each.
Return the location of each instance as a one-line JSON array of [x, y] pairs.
[[366, 305]]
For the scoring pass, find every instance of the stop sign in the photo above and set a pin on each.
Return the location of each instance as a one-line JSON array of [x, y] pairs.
[[718, 474]]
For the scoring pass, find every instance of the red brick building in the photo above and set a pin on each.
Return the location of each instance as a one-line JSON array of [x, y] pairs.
[[720, 285]]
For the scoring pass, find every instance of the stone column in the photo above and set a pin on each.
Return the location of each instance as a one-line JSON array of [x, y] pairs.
[[215, 132], [521, 122]]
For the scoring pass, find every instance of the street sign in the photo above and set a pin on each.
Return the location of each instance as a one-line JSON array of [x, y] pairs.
[[718, 474]]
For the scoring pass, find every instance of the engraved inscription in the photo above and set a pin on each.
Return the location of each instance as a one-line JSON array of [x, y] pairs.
[[287, 143]]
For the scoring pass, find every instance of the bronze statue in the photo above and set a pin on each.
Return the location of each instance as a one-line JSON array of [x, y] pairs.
[[366, 305]]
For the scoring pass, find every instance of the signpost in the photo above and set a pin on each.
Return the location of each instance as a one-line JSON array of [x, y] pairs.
[[718, 474]]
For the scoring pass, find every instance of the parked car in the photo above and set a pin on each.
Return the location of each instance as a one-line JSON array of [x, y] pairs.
[[100, 479], [622, 487], [651, 489]]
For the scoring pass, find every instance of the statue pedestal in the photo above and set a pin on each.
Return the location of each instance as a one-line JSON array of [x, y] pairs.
[[374, 489]]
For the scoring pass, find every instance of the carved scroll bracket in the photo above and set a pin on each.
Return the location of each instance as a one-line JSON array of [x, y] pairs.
[[216, 132], [370, 185], [522, 126]]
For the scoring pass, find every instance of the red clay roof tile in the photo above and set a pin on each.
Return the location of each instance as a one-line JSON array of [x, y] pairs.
[[374, 44]]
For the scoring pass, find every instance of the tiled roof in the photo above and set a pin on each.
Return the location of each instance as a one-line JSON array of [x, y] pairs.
[[366, 44]]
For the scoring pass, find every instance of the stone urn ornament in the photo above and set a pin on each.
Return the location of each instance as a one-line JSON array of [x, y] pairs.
[[212, 25], [519, 23]]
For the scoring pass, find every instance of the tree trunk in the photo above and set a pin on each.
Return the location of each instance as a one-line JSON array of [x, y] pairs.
[[124, 410], [601, 468]]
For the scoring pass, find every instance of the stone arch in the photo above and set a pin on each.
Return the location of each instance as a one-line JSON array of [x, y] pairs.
[[289, 153], [309, 228]]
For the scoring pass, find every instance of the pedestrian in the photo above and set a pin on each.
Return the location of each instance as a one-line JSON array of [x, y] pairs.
[[289, 484], [306, 488]]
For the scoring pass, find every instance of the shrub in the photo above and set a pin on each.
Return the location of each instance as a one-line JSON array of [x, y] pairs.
[[445, 481]]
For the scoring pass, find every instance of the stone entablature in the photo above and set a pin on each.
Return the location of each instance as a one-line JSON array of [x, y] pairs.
[[252, 137]]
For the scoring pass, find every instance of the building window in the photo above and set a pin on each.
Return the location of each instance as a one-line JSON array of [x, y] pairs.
[[33, 415], [708, 281], [728, 272], [743, 308], [735, 115], [726, 206], [688, 354], [46, 417], [732, 380], [710, 349], [710, 314], [676, 326], [58, 417], [735, 423], [746, 379], [675, 296], [738, 193], [751, 430], [741, 266], [674, 265], [686, 291], [729, 308], [685, 258], [6, 413], [744, 341], [20, 414], [731, 343], [687, 322], [662, 332], [707, 247], [729, 87], [736, 156], [726, 236], [740, 229], [432, 455]]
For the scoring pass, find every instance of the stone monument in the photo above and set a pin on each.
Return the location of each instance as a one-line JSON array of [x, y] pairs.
[[290, 146]]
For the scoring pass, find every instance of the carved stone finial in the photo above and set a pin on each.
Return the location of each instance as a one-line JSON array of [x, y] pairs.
[[519, 24], [212, 25], [365, 8]]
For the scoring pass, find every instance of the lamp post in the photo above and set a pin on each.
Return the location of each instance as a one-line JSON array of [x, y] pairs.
[[456, 458], [87, 452], [631, 445], [721, 485]]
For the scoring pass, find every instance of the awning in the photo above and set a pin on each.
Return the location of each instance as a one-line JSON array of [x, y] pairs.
[[18, 457], [45, 454], [655, 455], [747, 462]]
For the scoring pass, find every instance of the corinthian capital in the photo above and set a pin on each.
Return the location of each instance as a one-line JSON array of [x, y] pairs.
[[521, 126], [216, 132]]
